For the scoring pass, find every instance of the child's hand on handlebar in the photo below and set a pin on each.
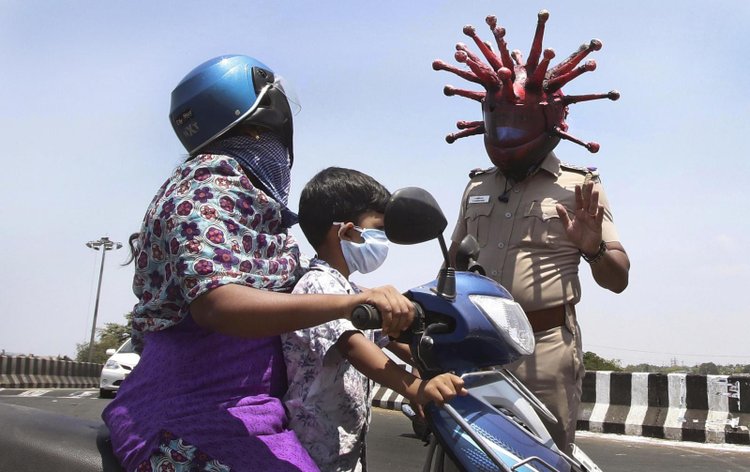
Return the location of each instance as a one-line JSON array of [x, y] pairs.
[[441, 389], [396, 310]]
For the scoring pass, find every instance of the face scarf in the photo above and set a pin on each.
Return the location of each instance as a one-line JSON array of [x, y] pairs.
[[367, 256], [268, 160]]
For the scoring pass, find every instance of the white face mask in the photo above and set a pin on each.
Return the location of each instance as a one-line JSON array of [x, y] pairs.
[[367, 256]]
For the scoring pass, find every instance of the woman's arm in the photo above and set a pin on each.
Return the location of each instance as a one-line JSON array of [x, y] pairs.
[[240, 310]]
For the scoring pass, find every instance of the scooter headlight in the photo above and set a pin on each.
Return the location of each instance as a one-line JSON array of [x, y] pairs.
[[509, 319]]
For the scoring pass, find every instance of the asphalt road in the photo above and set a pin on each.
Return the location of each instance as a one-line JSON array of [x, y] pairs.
[[392, 447]]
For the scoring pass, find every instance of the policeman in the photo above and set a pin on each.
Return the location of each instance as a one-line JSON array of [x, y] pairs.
[[534, 217]]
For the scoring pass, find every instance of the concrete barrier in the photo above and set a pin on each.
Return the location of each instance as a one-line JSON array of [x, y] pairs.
[[682, 407], [39, 372]]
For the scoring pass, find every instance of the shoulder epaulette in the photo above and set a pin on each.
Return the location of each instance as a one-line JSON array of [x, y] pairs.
[[479, 171], [579, 169], [590, 171]]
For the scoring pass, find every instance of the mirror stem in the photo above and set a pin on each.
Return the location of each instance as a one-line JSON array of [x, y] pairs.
[[446, 283], [444, 248]]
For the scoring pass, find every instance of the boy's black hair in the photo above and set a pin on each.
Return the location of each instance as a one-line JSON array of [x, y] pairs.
[[338, 194]]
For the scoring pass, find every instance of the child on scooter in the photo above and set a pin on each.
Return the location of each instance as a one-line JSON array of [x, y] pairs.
[[329, 366]]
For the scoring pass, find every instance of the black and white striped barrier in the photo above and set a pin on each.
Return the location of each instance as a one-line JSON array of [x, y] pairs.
[[36, 372], [387, 398], [682, 407]]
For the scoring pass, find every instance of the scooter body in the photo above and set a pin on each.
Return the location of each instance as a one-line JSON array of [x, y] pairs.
[[498, 425]]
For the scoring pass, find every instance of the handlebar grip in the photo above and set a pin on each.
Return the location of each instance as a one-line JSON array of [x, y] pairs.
[[366, 316]]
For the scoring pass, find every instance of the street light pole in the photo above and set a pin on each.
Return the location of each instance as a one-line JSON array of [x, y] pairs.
[[104, 244]]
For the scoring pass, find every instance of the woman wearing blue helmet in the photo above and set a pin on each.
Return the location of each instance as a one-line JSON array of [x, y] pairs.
[[213, 262]]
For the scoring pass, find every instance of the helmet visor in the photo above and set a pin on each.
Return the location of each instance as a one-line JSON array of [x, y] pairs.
[[513, 125], [291, 95]]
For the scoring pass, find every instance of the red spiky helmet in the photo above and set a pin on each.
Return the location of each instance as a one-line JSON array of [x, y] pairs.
[[523, 105]]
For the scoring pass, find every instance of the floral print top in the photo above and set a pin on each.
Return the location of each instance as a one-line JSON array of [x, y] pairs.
[[328, 400], [207, 226]]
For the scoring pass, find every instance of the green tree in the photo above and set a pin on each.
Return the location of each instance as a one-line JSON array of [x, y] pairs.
[[642, 368], [111, 336], [593, 362], [707, 368]]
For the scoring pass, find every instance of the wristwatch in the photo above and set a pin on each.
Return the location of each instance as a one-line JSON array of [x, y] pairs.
[[596, 257]]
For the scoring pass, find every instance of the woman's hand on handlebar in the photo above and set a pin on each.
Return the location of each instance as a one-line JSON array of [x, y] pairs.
[[396, 310], [441, 389]]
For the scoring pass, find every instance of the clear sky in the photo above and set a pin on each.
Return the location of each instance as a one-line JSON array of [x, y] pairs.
[[86, 143]]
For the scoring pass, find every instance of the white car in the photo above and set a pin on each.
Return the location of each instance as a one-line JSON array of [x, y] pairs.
[[118, 366]]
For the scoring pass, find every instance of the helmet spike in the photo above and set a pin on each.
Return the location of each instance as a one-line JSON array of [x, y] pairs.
[[612, 95], [487, 76], [451, 138], [568, 64], [491, 57], [464, 74], [536, 45], [450, 91], [560, 80], [517, 57], [468, 124], [508, 92], [469, 53], [537, 78], [591, 146], [502, 46]]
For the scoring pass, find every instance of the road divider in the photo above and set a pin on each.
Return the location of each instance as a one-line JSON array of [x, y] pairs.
[[40, 372], [682, 407]]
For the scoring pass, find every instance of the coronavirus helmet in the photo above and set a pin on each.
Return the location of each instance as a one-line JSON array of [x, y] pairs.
[[523, 106], [224, 92]]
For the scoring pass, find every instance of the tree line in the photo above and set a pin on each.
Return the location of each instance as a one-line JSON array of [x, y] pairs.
[[593, 362], [111, 336]]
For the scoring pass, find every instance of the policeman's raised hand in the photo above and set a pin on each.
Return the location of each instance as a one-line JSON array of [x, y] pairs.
[[584, 227], [441, 389], [397, 310]]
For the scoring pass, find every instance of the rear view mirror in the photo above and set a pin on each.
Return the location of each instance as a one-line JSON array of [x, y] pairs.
[[413, 216], [468, 254]]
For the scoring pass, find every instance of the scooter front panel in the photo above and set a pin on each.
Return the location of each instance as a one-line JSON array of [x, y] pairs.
[[473, 341], [506, 438]]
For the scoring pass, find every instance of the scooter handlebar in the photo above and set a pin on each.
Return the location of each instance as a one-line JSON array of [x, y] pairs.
[[366, 316]]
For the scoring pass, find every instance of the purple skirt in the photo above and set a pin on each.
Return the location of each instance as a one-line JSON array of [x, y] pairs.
[[217, 393]]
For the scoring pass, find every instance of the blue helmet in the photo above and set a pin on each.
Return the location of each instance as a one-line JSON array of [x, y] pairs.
[[224, 92]]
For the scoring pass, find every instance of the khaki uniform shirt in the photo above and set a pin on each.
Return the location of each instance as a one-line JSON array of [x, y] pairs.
[[523, 243]]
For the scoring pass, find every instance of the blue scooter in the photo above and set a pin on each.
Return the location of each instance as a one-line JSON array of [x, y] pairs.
[[468, 324]]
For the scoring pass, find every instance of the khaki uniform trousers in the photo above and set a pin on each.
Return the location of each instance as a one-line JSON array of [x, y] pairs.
[[555, 374]]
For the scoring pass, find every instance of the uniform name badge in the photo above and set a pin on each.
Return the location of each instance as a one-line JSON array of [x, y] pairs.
[[479, 199]]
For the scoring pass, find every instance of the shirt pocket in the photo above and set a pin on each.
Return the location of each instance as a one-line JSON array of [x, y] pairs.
[[541, 226], [478, 221]]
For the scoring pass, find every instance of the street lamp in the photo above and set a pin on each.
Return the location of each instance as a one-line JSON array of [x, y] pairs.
[[103, 244]]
